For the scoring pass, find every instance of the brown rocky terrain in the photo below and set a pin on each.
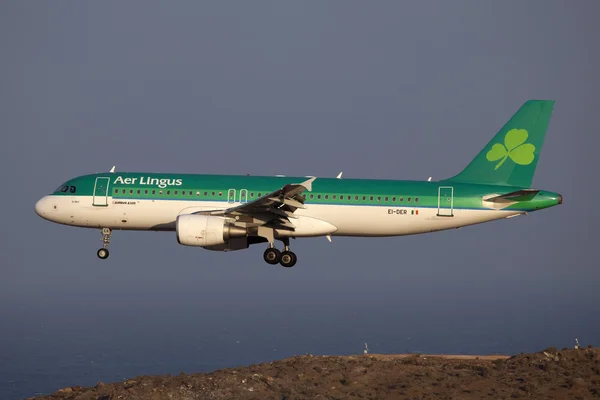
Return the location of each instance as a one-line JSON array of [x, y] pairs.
[[550, 374]]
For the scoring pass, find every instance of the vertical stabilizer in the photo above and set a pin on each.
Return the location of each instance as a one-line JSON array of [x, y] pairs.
[[511, 157]]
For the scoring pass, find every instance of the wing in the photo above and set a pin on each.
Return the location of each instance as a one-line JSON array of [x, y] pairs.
[[273, 210]]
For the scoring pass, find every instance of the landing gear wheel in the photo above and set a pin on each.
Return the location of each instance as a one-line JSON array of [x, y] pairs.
[[272, 255], [103, 254], [288, 259]]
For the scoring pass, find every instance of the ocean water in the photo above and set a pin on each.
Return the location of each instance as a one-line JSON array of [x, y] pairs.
[[109, 325]]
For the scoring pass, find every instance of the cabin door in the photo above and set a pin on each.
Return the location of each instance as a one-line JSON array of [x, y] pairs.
[[101, 192], [445, 201]]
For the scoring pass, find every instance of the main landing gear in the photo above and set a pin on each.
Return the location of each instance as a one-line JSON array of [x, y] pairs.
[[103, 252], [286, 257]]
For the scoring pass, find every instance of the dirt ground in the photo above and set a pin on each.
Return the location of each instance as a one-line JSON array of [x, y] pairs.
[[550, 374]]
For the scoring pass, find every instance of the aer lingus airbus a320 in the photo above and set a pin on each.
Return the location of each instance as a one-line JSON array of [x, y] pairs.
[[224, 213]]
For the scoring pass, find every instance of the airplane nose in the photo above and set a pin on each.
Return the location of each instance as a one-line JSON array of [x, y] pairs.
[[41, 207]]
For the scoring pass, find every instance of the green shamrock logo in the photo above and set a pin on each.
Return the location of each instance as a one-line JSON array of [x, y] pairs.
[[514, 147]]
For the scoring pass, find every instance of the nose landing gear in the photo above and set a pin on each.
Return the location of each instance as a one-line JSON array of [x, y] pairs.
[[103, 253]]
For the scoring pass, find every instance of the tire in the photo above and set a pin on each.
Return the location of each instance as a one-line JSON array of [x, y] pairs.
[[272, 256], [102, 254], [288, 259]]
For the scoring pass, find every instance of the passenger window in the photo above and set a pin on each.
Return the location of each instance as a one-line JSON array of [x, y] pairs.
[[355, 197], [130, 191], [378, 198], [175, 192], [318, 196], [387, 198], [251, 194], [408, 199], [371, 198], [160, 192], [364, 198], [213, 193], [205, 193], [138, 191], [326, 197], [197, 193], [123, 191], [402, 199], [154, 192], [312, 196], [416, 199], [116, 191], [394, 198], [146, 191], [168, 192], [341, 197], [192, 193]]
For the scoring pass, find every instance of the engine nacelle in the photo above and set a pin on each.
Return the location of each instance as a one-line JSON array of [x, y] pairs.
[[206, 230], [231, 245]]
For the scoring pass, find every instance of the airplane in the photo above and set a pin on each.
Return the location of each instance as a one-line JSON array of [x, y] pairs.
[[227, 212]]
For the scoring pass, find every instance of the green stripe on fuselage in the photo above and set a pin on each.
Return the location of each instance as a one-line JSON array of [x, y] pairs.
[[355, 192]]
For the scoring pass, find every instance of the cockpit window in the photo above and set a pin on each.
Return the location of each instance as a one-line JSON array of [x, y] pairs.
[[66, 189]]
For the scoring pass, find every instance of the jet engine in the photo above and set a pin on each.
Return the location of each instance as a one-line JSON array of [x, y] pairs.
[[206, 230]]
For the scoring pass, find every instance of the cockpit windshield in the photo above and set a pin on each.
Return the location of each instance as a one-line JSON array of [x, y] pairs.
[[66, 189]]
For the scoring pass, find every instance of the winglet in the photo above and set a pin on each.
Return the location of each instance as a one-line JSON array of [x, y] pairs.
[[112, 169], [339, 175], [308, 184]]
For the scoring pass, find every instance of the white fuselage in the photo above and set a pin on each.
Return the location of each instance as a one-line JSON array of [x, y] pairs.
[[348, 220]]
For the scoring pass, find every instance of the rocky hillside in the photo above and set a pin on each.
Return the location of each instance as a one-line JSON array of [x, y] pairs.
[[550, 374]]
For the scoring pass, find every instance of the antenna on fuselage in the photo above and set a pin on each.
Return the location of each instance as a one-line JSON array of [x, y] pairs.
[[429, 180], [112, 169], [339, 175]]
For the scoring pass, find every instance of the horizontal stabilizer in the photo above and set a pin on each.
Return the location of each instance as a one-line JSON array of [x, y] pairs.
[[519, 195]]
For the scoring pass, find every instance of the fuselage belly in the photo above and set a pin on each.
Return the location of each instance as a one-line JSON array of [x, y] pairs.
[[160, 215]]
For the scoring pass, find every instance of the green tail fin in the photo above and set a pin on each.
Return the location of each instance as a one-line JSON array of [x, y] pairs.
[[511, 157]]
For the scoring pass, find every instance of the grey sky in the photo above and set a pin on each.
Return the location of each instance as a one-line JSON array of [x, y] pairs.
[[388, 89]]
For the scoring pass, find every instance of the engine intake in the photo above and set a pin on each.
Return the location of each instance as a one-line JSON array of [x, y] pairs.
[[206, 230]]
